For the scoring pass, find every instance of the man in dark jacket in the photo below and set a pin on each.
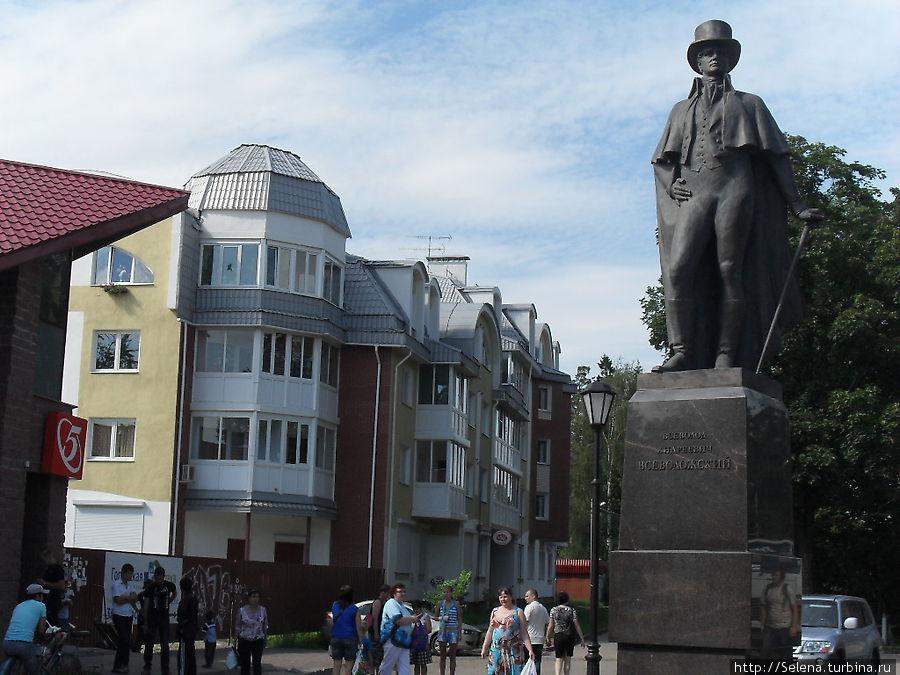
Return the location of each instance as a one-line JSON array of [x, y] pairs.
[[188, 627], [724, 181], [157, 599]]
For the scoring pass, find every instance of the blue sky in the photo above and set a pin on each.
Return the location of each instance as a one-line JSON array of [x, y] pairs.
[[523, 129]]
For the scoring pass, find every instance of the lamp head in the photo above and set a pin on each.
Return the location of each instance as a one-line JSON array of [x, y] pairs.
[[598, 399]]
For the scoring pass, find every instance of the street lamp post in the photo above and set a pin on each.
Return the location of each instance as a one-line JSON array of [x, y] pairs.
[[598, 400]]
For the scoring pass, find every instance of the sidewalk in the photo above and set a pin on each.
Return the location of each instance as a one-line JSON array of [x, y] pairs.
[[96, 661]]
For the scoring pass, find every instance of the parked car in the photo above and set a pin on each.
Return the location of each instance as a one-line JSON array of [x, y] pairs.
[[469, 639], [836, 628]]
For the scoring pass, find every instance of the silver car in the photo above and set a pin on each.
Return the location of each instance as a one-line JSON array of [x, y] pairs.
[[836, 628]]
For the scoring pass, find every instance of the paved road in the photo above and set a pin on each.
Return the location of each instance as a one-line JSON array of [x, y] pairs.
[[275, 661]]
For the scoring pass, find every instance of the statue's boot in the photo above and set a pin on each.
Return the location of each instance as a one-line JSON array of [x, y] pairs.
[[732, 325], [680, 317]]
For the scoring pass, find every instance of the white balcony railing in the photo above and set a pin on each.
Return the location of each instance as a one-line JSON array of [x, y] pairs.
[[439, 500], [505, 516]]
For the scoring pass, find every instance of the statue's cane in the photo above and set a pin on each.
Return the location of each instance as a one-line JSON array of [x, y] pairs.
[[784, 290]]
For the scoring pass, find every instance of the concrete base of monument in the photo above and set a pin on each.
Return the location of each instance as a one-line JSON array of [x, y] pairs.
[[705, 514]]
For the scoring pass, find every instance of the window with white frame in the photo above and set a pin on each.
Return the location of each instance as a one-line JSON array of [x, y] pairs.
[[112, 438], [513, 373], [434, 384], [282, 441], [440, 462], [117, 351], [229, 264], [112, 265], [405, 464], [291, 269], [220, 438], [541, 507], [506, 487], [543, 451], [544, 398], [224, 351], [460, 391], [329, 364], [331, 282], [287, 355], [326, 444], [508, 429]]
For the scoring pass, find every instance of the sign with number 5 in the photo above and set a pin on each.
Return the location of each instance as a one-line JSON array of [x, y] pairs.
[[65, 437]]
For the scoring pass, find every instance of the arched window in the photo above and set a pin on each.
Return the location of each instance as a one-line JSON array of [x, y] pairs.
[[114, 266]]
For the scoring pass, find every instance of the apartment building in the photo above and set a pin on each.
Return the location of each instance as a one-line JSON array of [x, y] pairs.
[[256, 392]]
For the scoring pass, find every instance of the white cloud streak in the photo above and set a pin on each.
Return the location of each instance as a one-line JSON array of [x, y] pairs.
[[523, 128]]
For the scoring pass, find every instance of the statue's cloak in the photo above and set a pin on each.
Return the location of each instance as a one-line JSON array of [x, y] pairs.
[[741, 124]]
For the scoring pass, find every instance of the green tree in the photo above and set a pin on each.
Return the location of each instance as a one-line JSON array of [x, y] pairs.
[[622, 377], [840, 370]]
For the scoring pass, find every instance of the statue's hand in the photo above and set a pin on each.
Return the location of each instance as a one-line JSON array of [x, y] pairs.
[[679, 191], [811, 216]]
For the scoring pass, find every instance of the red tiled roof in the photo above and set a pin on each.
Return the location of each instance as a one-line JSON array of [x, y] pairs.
[[45, 210]]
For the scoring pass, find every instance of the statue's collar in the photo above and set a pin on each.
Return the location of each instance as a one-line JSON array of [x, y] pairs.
[[697, 86]]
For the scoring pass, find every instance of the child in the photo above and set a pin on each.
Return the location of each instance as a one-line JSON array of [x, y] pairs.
[[209, 639], [420, 649]]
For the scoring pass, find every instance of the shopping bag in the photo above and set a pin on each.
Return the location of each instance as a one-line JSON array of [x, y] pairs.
[[231, 659], [358, 665], [528, 668]]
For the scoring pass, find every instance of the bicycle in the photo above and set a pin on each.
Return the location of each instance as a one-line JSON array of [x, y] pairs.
[[53, 660]]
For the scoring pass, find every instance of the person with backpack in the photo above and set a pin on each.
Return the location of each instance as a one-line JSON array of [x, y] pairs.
[[346, 629], [420, 646], [566, 631], [397, 621]]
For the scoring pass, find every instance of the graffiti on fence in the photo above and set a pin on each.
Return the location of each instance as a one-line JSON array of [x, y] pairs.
[[217, 590]]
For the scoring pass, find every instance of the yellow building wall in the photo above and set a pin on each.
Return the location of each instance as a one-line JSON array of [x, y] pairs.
[[148, 395]]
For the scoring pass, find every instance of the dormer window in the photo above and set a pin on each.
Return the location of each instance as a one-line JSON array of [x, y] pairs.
[[115, 266]]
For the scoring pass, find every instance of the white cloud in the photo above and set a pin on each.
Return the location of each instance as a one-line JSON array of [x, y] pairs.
[[523, 128]]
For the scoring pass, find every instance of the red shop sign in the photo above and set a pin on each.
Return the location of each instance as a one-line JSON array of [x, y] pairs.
[[64, 439]]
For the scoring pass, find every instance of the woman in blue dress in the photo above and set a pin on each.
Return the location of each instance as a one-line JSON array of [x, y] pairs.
[[507, 637]]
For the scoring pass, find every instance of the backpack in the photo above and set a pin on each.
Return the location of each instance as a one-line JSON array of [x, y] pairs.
[[419, 638]]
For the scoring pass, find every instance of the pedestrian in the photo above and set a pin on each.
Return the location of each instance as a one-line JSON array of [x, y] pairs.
[[252, 626], [29, 619], [420, 645], [376, 651], [397, 621], [209, 639], [346, 630], [779, 614], [566, 631], [157, 600], [538, 617], [448, 611], [124, 597], [506, 640], [188, 615], [54, 580], [140, 618]]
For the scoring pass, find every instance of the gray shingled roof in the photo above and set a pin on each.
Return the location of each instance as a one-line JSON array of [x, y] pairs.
[[261, 178]]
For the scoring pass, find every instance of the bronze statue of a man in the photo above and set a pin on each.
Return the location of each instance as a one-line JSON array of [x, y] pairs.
[[723, 182]]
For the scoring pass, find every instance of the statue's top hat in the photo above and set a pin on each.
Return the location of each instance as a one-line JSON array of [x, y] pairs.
[[717, 33]]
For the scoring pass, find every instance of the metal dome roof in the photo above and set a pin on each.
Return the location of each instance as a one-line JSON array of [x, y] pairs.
[[262, 178]]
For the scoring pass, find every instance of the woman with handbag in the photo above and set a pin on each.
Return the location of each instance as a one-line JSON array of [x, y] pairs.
[[346, 628], [506, 639], [252, 627], [396, 631], [566, 631]]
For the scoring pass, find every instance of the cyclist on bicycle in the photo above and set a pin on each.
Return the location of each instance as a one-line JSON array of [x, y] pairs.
[[29, 618]]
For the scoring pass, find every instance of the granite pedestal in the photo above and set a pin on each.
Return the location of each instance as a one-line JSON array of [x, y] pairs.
[[706, 495]]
